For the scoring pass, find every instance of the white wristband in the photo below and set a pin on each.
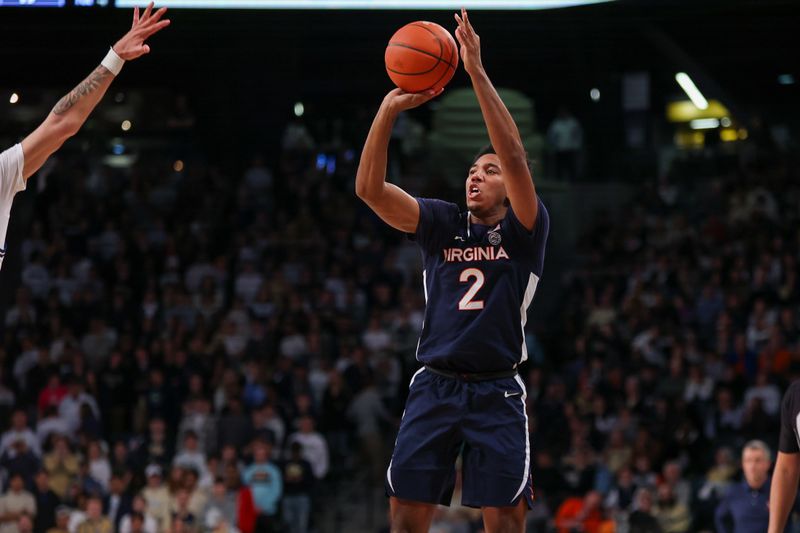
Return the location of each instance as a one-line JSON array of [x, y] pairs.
[[113, 62]]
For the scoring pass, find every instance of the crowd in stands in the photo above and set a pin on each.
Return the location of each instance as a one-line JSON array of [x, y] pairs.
[[195, 351]]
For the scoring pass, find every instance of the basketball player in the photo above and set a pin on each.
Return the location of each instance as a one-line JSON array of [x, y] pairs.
[[20, 161], [786, 475], [481, 268]]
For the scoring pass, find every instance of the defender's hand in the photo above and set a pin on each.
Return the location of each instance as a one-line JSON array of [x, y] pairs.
[[131, 45]]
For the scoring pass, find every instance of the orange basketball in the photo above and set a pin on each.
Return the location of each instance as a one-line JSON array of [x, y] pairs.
[[421, 56]]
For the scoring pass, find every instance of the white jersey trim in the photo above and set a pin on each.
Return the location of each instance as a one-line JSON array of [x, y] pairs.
[[530, 290], [526, 473], [425, 289]]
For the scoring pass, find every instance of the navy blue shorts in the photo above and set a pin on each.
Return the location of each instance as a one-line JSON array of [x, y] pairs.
[[484, 420]]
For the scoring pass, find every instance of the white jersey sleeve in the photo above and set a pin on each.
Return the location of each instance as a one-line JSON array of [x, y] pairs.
[[11, 182]]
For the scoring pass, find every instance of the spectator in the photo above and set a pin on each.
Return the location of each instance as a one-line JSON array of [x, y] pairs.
[[181, 512], [15, 503], [221, 506], [198, 418], [156, 495], [62, 466], [99, 466], [20, 460], [95, 522], [315, 449], [70, 408], [137, 524], [46, 503], [117, 503], [157, 447], [565, 137], [138, 520], [50, 397], [642, 520], [583, 514], [298, 482], [197, 496], [242, 498], [19, 431], [681, 488], [25, 523], [48, 425], [191, 455], [266, 484], [61, 520], [745, 507], [672, 515]]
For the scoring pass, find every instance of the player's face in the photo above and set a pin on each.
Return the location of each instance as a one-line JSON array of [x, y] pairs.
[[755, 465], [485, 188]]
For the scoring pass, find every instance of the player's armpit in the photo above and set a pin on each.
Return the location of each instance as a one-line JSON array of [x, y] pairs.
[[395, 207]]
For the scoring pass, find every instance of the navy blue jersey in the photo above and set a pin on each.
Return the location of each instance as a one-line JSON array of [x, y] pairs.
[[479, 282]]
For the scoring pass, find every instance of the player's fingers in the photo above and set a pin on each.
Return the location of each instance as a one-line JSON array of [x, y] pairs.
[[458, 19], [155, 28], [148, 10], [467, 23], [135, 15], [157, 15]]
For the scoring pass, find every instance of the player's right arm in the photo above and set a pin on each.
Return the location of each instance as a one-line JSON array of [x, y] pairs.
[[74, 108], [783, 490], [391, 203]]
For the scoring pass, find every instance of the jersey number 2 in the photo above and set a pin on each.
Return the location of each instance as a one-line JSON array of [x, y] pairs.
[[467, 303]]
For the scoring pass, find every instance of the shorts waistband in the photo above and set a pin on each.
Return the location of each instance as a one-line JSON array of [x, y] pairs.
[[466, 376]]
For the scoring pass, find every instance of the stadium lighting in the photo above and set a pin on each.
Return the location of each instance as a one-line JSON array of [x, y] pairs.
[[786, 79], [691, 90], [14, 98], [368, 4], [704, 124], [126, 125], [594, 94], [299, 109], [725, 122]]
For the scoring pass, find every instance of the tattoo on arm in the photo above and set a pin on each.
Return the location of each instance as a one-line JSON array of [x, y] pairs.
[[85, 87]]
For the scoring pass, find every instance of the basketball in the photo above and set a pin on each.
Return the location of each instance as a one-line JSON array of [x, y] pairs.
[[420, 56]]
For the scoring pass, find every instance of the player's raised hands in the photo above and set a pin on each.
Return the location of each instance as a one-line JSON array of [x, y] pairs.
[[469, 42], [399, 100], [132, 44]]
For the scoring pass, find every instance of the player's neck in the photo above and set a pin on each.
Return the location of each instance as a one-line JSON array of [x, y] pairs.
[[488, 219]]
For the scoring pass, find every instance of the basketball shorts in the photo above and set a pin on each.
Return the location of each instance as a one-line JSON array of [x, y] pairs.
[[485, 421]]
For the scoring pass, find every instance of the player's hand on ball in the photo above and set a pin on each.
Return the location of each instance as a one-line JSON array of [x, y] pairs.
[[399, 100], [132, 45], [469, 42]]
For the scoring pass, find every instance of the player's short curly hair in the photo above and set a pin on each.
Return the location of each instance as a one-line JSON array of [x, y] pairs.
[[489, 149]]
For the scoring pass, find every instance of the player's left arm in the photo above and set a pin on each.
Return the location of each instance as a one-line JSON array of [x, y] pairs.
[[783, 490], [503, 131], [74, 108]]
